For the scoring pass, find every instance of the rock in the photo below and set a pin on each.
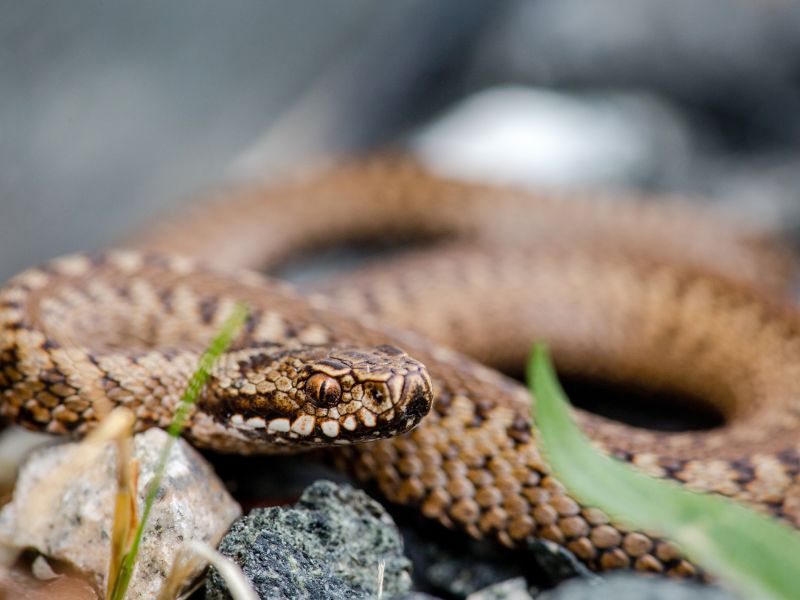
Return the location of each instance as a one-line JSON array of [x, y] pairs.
[[748, 66], [634, 587], [458, 567], [533, 137], [460, 576], [16, 444], [67, 515], [512, 589], [328, 545]]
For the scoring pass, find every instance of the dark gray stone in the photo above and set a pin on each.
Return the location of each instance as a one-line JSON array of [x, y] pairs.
[[634, 587], [329, 545], [460, 567], [462, 576]]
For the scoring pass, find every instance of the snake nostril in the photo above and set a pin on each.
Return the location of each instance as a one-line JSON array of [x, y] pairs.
[[419, 404]]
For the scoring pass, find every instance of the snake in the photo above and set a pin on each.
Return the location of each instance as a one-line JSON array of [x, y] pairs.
[[395, 367]]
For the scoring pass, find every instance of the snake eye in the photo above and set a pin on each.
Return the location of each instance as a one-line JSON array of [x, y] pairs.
[[323, 391]]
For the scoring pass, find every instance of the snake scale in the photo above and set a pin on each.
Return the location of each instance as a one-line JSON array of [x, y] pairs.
[[658, 295]]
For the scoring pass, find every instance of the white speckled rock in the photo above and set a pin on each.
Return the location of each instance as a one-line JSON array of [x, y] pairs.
[[69, 516]]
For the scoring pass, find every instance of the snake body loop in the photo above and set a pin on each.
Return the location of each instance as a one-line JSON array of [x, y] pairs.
[[657, 296]]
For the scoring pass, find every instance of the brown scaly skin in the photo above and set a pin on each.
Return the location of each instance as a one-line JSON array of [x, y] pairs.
[[259, 225], [614, 319], [84, 334], [472, 463]]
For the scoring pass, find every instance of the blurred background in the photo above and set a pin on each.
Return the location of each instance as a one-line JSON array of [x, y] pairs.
[[111, 112]]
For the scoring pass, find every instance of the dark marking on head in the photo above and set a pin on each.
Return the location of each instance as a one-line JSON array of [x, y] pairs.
[[391, 350], [335, 364]]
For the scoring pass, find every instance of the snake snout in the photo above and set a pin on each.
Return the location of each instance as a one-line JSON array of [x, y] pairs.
[[390, 391], [416, 400]]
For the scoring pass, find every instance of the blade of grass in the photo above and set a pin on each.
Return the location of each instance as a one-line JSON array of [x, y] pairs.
[[755, 554], [381, 575], [219, 344], [125, 517], [189, 554]]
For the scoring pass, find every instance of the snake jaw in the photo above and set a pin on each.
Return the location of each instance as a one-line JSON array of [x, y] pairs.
[[318, 395]]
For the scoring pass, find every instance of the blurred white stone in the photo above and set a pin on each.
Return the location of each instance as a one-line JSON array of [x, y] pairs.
[[63, 506], [533, 137]]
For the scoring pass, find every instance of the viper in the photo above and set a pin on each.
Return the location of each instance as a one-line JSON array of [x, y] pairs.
[[396, 366]]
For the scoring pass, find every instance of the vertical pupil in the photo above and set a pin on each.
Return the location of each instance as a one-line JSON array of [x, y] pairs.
[[324, 390]]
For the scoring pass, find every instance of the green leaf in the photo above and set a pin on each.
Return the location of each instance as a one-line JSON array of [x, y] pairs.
[[230, 328], [753, 553]]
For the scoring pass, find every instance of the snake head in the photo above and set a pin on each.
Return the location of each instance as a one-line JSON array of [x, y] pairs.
[[317, 395]]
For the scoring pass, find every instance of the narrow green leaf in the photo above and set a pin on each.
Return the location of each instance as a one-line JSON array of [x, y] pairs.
[[755, 554], [230, 328]]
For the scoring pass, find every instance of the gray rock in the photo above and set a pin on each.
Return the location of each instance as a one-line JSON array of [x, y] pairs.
[[64, 502], [534, 137], [557, 562], [513, 589], [460, 567], [704, 50], [457, 566], [329, 545], [634, 587], [461, 576]]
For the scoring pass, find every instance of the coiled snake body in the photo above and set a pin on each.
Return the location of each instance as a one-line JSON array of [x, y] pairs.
[[644, 294]]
